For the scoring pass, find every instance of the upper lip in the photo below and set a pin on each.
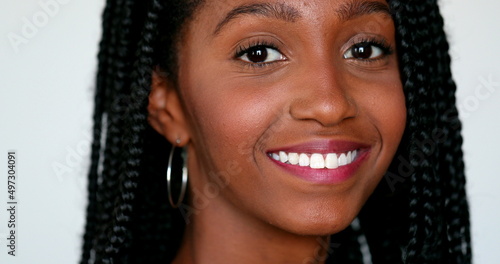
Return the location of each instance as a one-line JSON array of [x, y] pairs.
[[322, 147]]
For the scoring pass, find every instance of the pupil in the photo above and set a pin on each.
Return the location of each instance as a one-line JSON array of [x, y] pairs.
[[362, 51], [257, 54]]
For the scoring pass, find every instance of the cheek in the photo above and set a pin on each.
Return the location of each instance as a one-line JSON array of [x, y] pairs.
[[229, 114], [386, 110], [223, 120], [382, 102], [381, 108], [226, 121], [228, 124], [390, 116]]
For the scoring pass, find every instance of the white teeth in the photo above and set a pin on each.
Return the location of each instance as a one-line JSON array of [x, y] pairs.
[[317, 161], [342, 159], [283, 157], [293, 158], [331, 161], [303, 160]]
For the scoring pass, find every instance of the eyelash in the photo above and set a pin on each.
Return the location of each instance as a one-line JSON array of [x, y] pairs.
[[243, 49], [379, 43], [382, 44]]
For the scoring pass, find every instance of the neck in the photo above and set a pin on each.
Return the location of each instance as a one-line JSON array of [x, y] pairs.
[[222, 233]]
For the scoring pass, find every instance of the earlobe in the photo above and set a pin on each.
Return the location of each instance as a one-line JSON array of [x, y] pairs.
[[165, 112]]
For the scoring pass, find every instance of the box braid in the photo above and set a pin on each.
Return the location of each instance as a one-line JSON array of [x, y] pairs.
[[439, 218], [96, 213], [129, 34], [456, 213], [424, 220]]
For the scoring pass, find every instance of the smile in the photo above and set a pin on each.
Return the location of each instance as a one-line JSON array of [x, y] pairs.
[[321, 162], [315, 160]]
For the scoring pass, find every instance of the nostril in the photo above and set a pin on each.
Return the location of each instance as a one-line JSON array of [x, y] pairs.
[[327, 109]]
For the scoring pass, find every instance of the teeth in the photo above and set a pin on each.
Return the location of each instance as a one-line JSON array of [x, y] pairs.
[[293, 158], [303, 160], [342, 159], [283, 157], [316, 160], [331, 161]]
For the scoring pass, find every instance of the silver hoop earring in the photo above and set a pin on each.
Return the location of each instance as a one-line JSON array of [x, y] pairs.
[[169, 179]]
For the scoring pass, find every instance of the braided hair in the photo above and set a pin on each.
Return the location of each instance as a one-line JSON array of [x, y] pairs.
[[417, 214]]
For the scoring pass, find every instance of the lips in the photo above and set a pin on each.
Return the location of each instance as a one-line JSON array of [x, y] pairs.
[[321, 162]]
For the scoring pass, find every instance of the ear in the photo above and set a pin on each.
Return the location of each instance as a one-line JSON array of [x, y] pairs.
[[166, 114]]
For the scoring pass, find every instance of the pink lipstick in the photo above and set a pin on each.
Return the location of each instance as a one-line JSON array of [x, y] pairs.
[[324, 162]]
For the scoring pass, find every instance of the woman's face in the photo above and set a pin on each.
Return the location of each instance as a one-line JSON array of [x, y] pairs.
[[300, 99]]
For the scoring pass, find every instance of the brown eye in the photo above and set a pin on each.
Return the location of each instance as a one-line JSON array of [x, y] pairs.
[[363, 51], [257, 54], [261, 54]]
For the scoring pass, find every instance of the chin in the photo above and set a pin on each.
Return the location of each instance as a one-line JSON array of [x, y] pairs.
[[317, 223]]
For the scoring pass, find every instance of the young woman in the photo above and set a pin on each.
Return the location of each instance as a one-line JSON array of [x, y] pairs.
[[311, 132]]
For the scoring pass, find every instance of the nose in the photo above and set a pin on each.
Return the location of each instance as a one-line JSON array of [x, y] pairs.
[[323, 98]]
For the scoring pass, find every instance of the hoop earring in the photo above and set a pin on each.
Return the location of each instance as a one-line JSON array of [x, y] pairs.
[[169, 178]]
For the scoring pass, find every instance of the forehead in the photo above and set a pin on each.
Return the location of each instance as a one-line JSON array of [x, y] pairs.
[[301, 5], [215, 15]]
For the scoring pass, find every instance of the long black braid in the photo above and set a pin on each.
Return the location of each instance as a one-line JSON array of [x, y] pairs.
[[94, 216], [421, 218]]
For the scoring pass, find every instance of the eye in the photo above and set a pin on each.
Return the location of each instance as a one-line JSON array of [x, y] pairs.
[[365, 51], [260, 54]]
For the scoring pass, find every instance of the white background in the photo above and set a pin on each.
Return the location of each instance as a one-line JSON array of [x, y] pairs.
[[45, 115]]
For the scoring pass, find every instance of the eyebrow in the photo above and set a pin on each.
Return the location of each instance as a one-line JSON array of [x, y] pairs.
[[282, 11], [275, 10], [354, 9]]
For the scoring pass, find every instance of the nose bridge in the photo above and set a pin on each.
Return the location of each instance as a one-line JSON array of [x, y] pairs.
[[323, 96]]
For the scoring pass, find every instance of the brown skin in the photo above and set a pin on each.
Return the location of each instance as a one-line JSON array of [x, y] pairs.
[[229, 113]]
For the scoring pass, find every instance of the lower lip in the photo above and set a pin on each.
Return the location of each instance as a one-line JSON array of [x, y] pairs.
[[325, 176]]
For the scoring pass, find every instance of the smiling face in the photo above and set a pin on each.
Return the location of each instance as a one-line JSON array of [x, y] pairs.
[[304, 98]]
